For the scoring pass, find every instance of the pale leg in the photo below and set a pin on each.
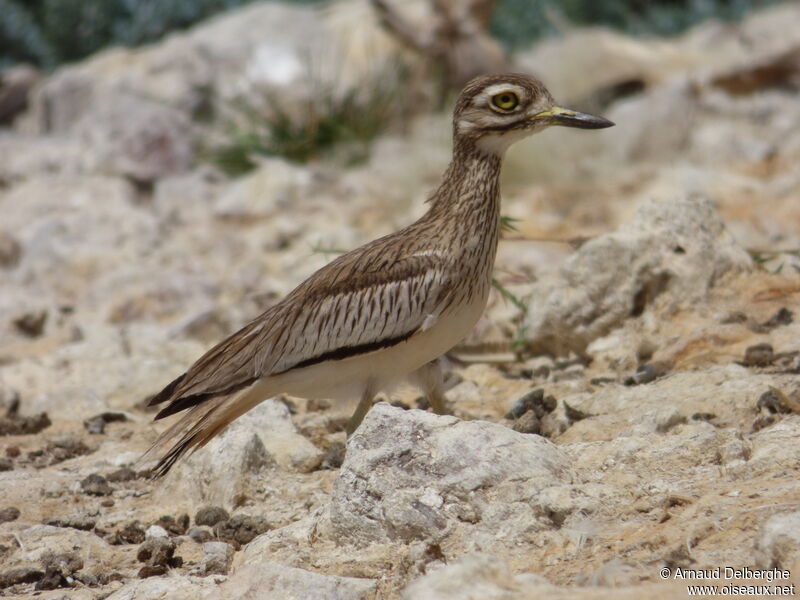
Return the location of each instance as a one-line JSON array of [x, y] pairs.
[[430, 379], [362, 409]]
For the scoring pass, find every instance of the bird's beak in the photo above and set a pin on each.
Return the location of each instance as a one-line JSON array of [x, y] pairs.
[[571, 118]]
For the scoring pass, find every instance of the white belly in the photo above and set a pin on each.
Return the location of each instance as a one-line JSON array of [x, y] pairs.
[[347, 378]]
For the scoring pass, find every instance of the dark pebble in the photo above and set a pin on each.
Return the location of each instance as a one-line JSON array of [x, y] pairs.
[[107, 502], [534, 401], [57, 568], [132, 533], [333, 457], [175, 527], [120, 475], [21, 575], [770, 402], [573, 414], [97, 424], [241, 528], [87, 578], [211, 515], [13, 451], [783, 317], [16, 425], [199, 534], [156, 551], [759, 355], [82, 523], [151, 571], [645, 373], [762, 421], [9, 514], [704, 416], [6, 464], [31, 324], [528, 423], [96, 485]]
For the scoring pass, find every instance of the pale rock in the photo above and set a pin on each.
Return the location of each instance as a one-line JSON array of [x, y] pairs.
[[275, 186], [217, 557], [24, 156], [39, 540], [778, 543], [156, 531], [136, 138], [671, 253], [477, 576], [269, 579], [233, 463], [172, 587], [478, 480]]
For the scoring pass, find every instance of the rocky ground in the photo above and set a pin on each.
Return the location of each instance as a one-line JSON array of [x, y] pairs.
[[631, 404]]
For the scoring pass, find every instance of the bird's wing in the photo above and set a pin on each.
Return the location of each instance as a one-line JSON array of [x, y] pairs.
[[371, 298]]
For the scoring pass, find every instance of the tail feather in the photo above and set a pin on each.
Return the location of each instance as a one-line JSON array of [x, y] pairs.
[[199, 426]]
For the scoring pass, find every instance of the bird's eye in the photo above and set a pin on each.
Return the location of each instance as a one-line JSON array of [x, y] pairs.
[[505, 101]]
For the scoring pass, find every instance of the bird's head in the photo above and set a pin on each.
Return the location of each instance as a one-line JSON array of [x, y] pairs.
[[494, 111]]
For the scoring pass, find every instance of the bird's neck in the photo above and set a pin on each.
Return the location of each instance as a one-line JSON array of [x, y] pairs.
[[470, 186]]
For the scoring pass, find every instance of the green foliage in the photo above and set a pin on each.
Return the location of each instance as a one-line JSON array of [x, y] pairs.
[[518, 22], [21, 36], [326, 123], [50, 32]]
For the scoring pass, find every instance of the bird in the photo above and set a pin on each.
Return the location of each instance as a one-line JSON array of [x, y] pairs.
[[387, 310]]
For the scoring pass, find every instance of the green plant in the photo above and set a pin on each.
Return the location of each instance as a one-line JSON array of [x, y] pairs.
[[325, 123], [518, 23]]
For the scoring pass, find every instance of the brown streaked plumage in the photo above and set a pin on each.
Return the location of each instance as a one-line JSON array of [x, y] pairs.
[[384, 311]]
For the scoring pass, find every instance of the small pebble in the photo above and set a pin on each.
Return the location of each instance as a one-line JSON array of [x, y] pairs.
[[156, 532], [241, 528], [645, 373], [20, 575], [81, 523], [759, 355], [156, 551], [123, 474], [96, 485], [31, 324], [132, 533], [200, 535], [6, 464], [573, 414], [528, 423], [534, 401], [217, 558], [9, 514], [211, 515], [783, 317]]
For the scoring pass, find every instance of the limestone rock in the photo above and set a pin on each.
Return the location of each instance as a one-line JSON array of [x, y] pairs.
[[269, 578], [412, 475], [476, 576], [174, 587], [231, 464], [778, 544], [670, 253]]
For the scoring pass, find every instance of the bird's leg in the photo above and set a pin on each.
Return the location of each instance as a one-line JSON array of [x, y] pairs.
[[429, 377], [362, 409]]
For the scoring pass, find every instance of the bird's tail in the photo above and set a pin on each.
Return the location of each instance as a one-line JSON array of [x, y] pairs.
[[199, 426]]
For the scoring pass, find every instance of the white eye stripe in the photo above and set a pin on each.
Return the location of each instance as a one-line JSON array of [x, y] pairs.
[[485, 97]]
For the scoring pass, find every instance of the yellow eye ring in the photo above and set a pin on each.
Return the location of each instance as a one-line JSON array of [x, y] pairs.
[[505, 101]]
